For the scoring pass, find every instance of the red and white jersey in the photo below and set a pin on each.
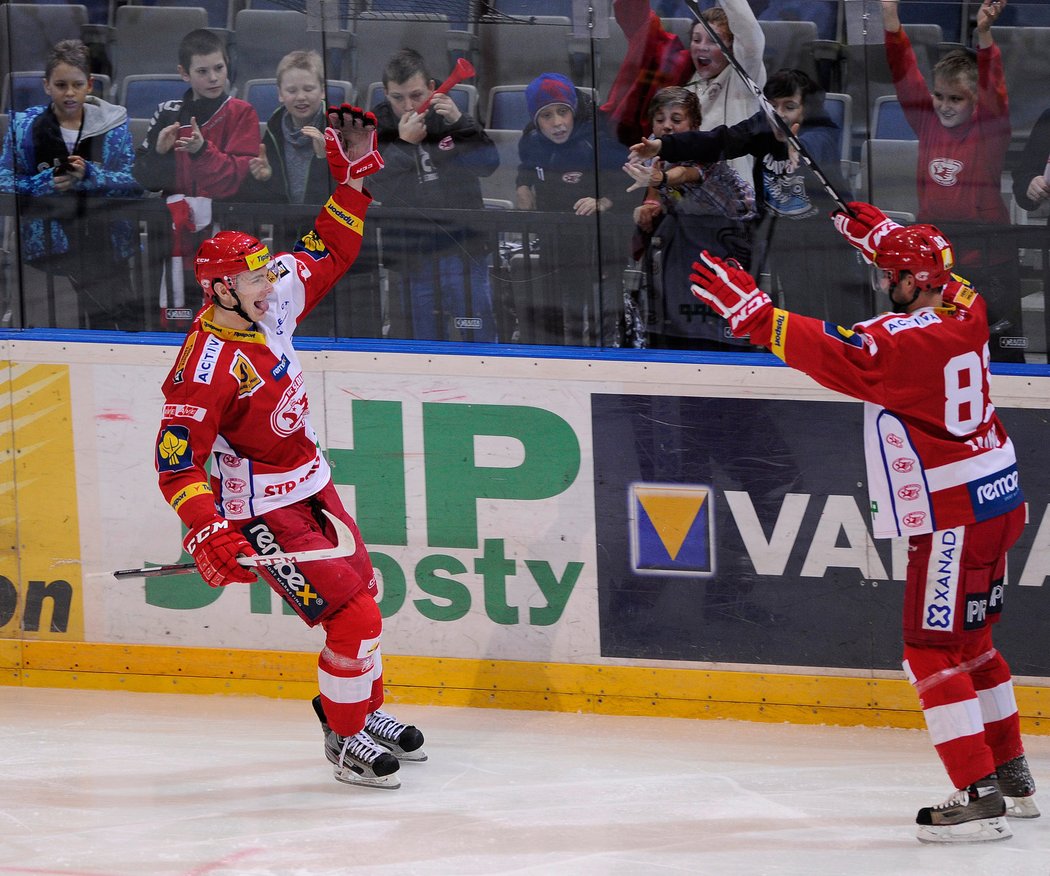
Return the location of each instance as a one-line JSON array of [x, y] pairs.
[[937, 454], [238, 399]]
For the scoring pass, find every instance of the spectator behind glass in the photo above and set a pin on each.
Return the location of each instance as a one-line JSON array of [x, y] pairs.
[[434, 160], [569, 164], [1032, 176], [656, 59], [964, 132], [291, 166], [196, 149], [76, 148], [688, 207]]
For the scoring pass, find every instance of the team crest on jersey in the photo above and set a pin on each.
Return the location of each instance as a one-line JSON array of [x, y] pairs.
[[311, 244], [672, 529], [248, 379], [187, 349], [287, 418], [572, 177], [447, 144], [205, 369], [945, 171], [173, 449]]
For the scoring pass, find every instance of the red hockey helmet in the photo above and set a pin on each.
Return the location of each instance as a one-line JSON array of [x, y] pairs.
[[920, 249], [228, 254]]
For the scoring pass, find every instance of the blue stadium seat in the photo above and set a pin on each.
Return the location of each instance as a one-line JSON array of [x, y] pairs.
[[888, 121], [508, 110], [24, 89], [824, 14], [140, 94]]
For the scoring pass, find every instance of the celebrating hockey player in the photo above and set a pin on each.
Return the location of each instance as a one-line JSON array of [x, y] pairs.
[[941, 471], [236, 397]]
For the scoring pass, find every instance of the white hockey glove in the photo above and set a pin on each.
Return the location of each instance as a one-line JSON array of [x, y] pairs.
[[731, 291], [214, 548], [865, 228], [351, 124]]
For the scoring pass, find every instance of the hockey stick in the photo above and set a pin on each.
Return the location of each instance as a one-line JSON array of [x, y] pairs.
[[463, 70], [345, 546], [767, 107]]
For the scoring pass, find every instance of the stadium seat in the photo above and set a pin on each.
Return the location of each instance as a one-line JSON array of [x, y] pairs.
[[29, 30], [500, 184], [823, 14], [888, 121], [951, 18], [789, 45], [146, 38], [462, 14], [262, 94], [220, 12], [840, 108], [887, 174], [1026, 62], [261, 37], [142, 94], [378, 36]]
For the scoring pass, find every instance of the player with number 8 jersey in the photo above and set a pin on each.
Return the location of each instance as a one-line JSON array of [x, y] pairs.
[[941, 471]]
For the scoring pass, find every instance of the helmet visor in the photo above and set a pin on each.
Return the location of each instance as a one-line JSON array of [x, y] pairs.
[[881, 279]]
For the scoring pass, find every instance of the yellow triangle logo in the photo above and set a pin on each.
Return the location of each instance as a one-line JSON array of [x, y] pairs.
[[672, 513]]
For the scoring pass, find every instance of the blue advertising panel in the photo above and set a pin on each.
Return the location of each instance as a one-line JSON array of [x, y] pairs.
[[737, 531]]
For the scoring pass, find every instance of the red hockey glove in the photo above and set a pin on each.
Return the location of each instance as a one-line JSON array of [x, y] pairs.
[[865, 228], [350, 124], [214, 548], [730, 290]]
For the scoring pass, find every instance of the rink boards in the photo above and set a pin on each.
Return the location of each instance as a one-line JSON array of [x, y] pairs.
[[552, 533]]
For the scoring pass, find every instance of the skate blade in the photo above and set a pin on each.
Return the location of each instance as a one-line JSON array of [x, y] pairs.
[[349, 777], [417, 756], [1021, 807], [980, 831]]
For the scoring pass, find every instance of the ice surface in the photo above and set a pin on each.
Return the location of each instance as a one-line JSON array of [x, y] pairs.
[[98, 783]]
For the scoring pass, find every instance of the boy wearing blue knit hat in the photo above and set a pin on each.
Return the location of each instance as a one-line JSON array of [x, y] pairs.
[[557, 174]]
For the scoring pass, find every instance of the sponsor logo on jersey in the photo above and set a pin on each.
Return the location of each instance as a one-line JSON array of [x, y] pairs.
[[945, 171], [291, 410], [235, 485], [903, 464], [173, 449], [995, 494], [248, 379], [185, 412], [198, 489], [231, 461], [293, 586], [919, 319], [979, 606], [672, 529], [894, 440], [278, 271], [942, 580], [235, 507], [311, 244], [779, 333], [279, 369], [187, 349], [965, 296], [205, 369], [847, 336], [354, 223]]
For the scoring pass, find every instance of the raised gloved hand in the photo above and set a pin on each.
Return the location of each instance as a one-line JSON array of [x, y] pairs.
[[214, 548], [865, 228], [731, 291], [351, 128]]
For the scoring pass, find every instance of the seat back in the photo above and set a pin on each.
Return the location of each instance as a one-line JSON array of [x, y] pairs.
[[508, 109], [261, 37], [142, 94], [29, 30], [146, 38], [888, 121], [1026, 62], [377, 36], [887, 174]]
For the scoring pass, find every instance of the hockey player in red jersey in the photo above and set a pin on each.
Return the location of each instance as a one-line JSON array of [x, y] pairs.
[[236, 398], [942, 471]]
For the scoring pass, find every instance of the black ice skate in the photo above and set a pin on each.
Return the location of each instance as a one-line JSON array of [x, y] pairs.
[[404, 740], [357, 760], [1018, 786], [970, 815]]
